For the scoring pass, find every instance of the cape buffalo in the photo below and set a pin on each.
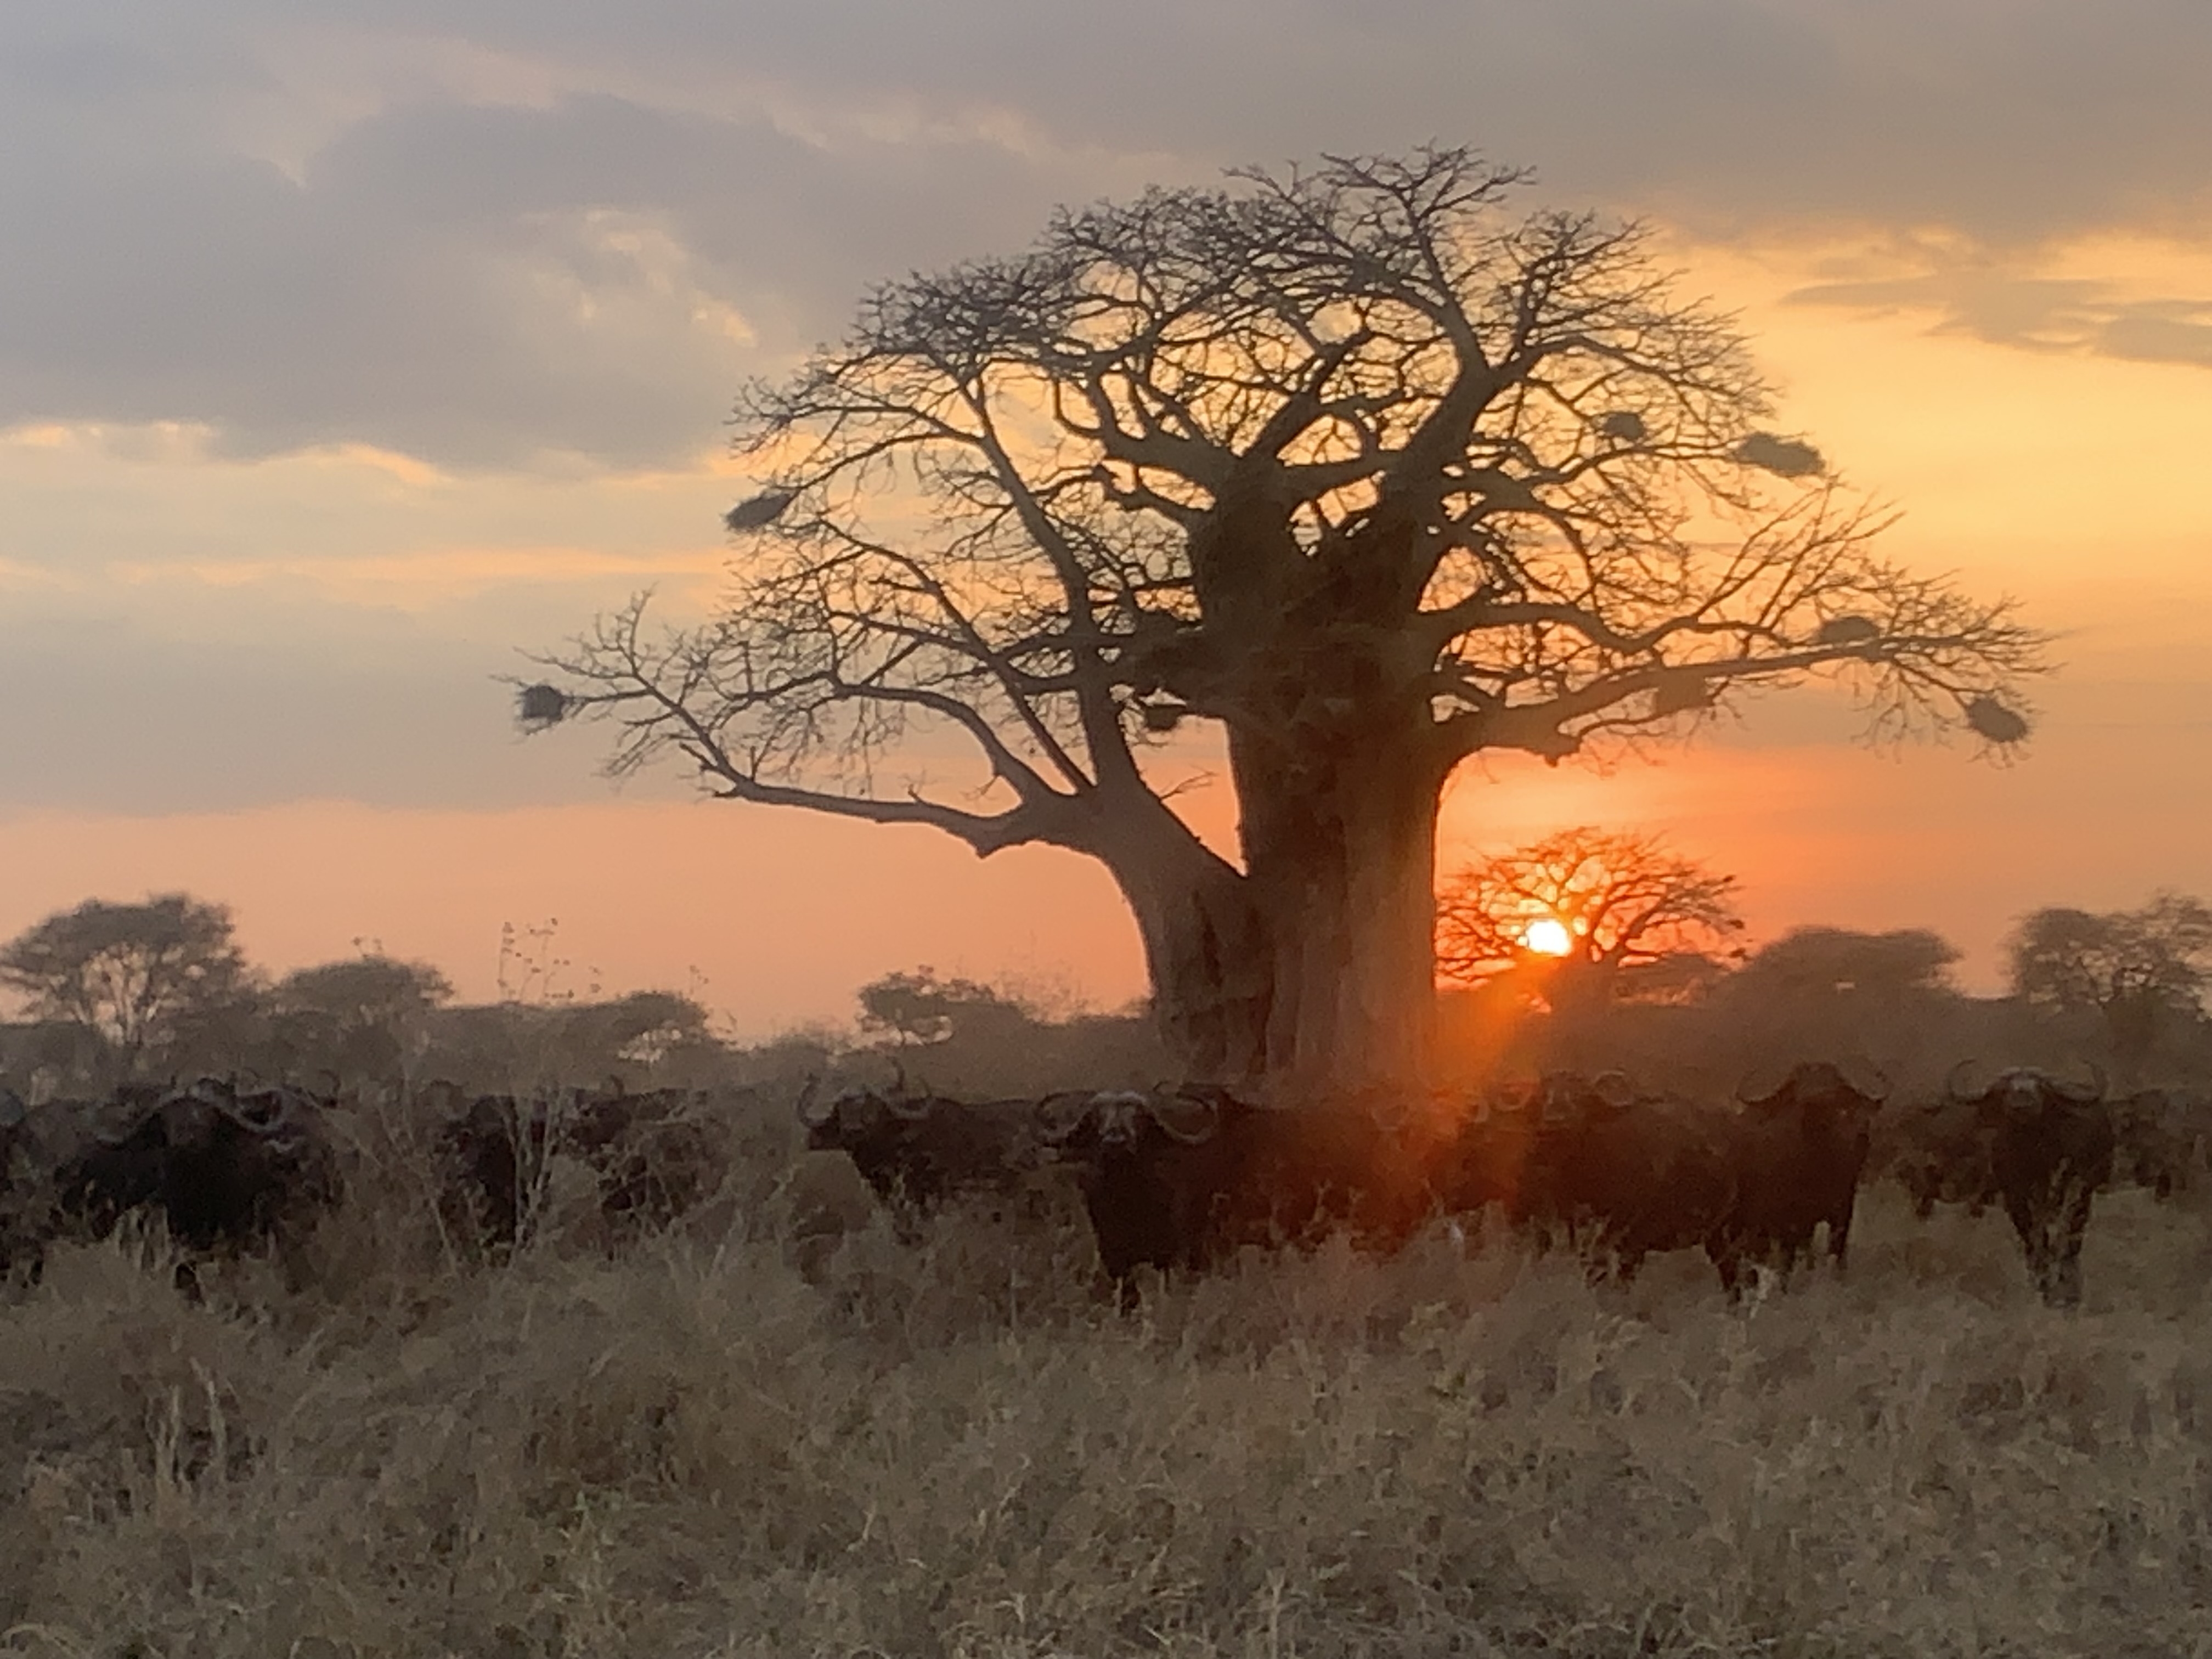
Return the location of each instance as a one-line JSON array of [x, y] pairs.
[[652, 1156], [1182, 1178], [225, 1166], [920, 1151], [2159, 1142], [1800, 1148], [2040, 1144], [1622, 1174]]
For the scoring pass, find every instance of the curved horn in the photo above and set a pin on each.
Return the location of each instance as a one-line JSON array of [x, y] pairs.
[[1614, 1088], [1863, 1075], [912, 1108], [2083, 1093], [1763, 1085], [813, 1110], [1191, 1119], [1954, 1085]]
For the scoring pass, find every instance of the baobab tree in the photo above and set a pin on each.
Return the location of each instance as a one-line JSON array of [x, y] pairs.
[[1351, 467]]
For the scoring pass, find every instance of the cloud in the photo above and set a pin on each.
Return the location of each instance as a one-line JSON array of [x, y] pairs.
[[2006, 306], [479, 286], [482, 232]]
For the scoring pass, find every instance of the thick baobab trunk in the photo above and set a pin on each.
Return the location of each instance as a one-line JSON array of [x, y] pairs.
[[1341, 862], [1313, 970], [1206, 946]]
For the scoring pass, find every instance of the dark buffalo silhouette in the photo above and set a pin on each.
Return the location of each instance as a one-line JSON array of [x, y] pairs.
[[1800, 1148], [226, 1167], [1183, 1178], [2039, 1145], [2159, 1142], [920, 1151], [652, 1156], [1620, 1174]]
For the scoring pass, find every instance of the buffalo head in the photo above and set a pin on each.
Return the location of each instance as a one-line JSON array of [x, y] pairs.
[[2022, 1093], [1563, 1100], [1850, 1088], [1075, 1124]]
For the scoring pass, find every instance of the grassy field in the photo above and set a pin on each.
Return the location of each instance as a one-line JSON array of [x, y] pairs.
[[769, 1438]]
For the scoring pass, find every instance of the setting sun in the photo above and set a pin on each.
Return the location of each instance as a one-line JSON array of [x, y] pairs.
[[1548, 936]]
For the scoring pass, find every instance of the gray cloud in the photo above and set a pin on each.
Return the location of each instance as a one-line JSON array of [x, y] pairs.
[[2006, 309], [480, 284]]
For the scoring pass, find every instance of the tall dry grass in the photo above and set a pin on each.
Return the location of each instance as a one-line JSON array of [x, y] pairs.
[[763, 1437]]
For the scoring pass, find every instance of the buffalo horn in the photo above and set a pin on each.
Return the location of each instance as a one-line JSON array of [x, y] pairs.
[[813, 1110], [1955, 1085], [912, 1108], [1762, 1083], [1614, 1089], [1863, 1075], [2079, 1088], [1189, 1118]]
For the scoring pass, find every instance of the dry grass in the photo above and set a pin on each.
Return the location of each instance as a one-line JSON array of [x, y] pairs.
[[745, 1441]]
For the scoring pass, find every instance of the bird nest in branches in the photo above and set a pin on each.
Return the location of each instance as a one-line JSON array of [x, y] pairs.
[[542, 705], [1990, 719], [1785, 457]]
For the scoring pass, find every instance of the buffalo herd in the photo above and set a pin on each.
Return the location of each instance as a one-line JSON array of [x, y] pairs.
[[1180, 1178], [1176, 1178]]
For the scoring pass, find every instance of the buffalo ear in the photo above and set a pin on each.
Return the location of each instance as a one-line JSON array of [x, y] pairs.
[[1189, 1118]]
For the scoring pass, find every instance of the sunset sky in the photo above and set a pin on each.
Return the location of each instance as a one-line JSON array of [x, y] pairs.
[[349, 349]]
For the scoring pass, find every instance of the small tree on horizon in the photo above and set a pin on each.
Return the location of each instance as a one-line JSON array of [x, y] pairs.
[[918, 1008], [2138, 971], [1623, 907], [1348, 468], [136, 975]]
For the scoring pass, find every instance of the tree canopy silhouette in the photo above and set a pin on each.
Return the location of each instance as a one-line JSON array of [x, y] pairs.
[[1622, 905], [1350, 466], [2137, 970], [135, 974]]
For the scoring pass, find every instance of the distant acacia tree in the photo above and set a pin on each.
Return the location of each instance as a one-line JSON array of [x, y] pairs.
[[2137, 970], [1601, 908], [1821, 964], [918, 1007], [1350, 468], [137, 974], [357, 1016]]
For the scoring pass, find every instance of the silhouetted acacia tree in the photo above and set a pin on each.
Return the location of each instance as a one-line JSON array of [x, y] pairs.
[[1349, 464], [355, 1017], [137, 974], [919, 1007], [1819, 964], [1628, 905], [2137, 970]]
